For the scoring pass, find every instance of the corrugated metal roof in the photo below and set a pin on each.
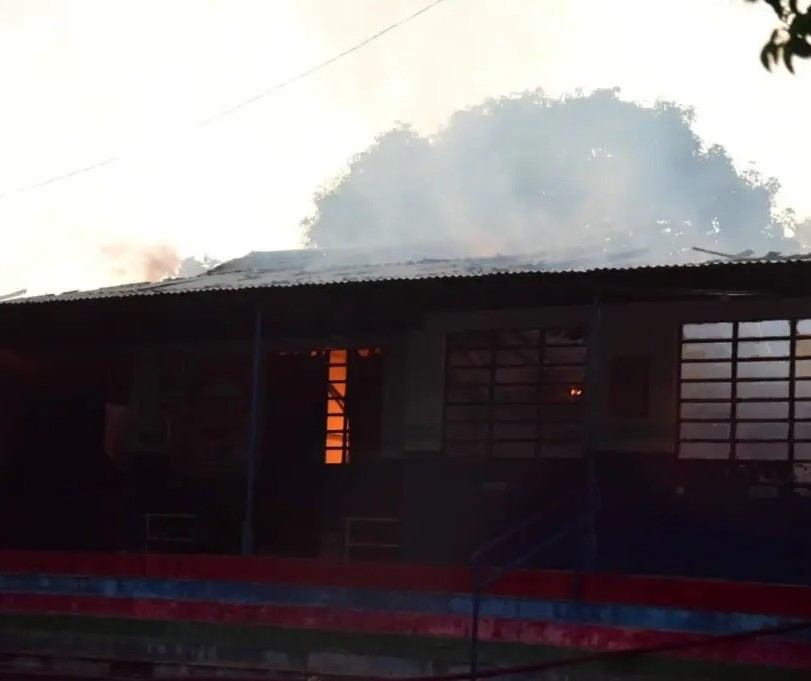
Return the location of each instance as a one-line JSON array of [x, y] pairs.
[[314, 267]]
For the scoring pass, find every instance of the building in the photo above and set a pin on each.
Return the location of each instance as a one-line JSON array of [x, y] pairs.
[[324, 408]]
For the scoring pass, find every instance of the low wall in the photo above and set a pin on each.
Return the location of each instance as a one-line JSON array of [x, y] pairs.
[[376, 619]]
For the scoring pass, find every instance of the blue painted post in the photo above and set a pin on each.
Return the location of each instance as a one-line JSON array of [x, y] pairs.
[[253, 437], [593, 384], [593, 417], [474, 625]]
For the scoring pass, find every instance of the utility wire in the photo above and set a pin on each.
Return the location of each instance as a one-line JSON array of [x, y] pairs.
[[322, 65], [230, 110], [59, 178]]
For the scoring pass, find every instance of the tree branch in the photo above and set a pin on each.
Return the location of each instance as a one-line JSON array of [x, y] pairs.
[[791, 38]]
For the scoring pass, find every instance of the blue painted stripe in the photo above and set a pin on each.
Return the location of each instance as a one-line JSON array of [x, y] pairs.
[[663, 619]]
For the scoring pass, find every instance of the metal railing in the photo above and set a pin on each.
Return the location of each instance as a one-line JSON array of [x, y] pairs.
[[485, 575], [350, 542], [184, 522]]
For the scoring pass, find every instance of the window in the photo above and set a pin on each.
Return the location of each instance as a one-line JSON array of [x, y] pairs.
[[514, 394], [745, 390], [336, 447], [365, 398]]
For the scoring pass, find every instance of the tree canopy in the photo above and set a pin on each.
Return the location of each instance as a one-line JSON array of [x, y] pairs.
[[790, 38], [530, 172]]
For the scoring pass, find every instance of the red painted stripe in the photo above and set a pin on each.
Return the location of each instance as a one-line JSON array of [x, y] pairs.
[[689, 594], [767, 652]]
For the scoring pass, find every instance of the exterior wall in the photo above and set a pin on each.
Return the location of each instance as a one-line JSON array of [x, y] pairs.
[[650, 330], [396, 374], [424, 391], [660, 514]]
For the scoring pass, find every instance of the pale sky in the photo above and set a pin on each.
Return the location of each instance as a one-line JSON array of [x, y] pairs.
[[85, 80]]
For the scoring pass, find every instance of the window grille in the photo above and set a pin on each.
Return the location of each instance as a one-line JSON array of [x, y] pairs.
[[515, 393], [745, 390]]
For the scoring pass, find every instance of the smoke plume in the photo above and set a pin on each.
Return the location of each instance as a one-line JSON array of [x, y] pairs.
[[530, 173], [130, 262]]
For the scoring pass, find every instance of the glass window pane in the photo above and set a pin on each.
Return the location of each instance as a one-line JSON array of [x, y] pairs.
[[561, 432], [703, 370], [338, 356], [515, 431], [802, 451], [762, 451], [763, 410], [802, 389], [471, 358], [469, 339], [574, 354], [466, 449], [706, 350], [335, 440], [704, 430], [750, 349], [517, 357], [764, 329], [802, 430], [804, 327], [518, 338], [802, 368], [762, 430], [467, 413], [561, 450], [337, 373], [517, 375], [704, 450], [563, 373], [516, 393], [559, 392], [336, 422], [466, 376], [706, 391], [466, 431], [802, 410], [707, 411], [763, 389], [468, 393], [565, 337], [515, 412], [514, 450], [803, 347], [776, 369], [564, 412], [712, 330]]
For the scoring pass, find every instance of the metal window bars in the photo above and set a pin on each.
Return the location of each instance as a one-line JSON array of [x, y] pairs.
[[169, 532], [515, 393], [745, 392], [387, 543]]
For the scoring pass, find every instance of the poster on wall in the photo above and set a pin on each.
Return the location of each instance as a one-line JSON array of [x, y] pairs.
[[210, 425], [159, 390]]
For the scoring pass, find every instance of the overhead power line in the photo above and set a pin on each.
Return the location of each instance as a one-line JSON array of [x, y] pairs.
[[236, 107], [59, 178], [322, 65]]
